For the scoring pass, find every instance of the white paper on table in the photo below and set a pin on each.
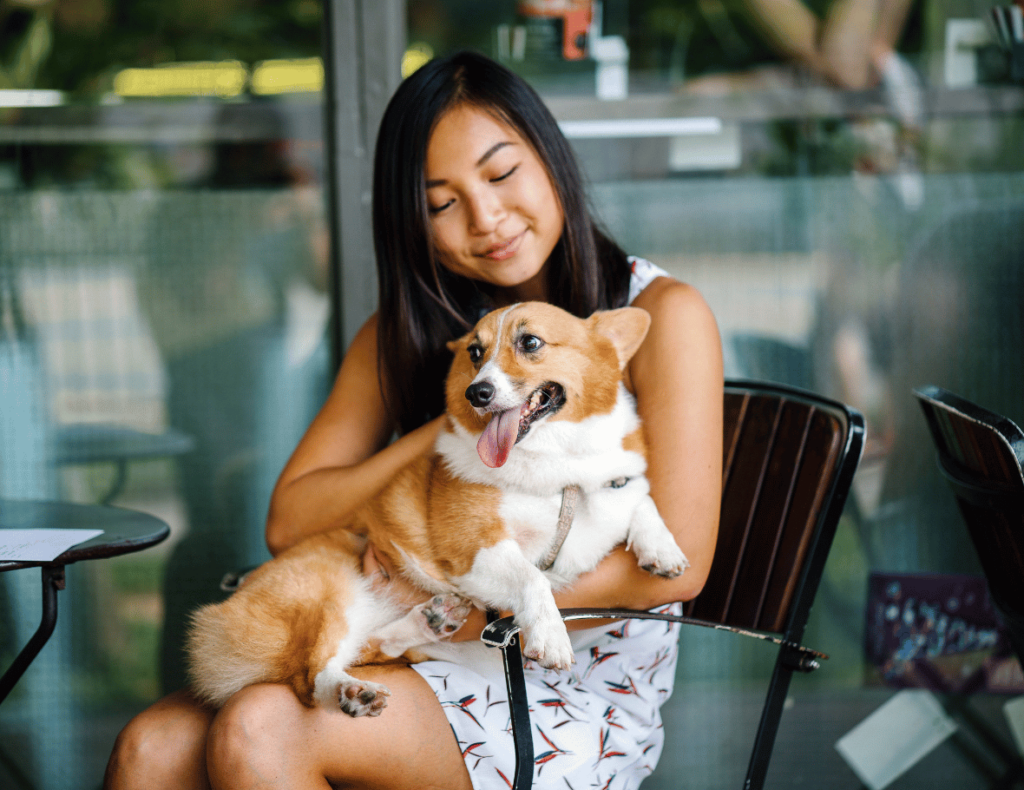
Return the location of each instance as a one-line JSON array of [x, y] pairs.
[[40, 545]]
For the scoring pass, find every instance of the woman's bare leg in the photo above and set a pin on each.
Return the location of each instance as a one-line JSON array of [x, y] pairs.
[[263, 737], [164, 746], [845, 47]]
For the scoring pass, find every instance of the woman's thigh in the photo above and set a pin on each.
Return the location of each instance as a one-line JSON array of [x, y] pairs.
[[263, 733]]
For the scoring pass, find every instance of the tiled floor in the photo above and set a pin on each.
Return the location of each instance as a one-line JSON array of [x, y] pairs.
[[710, 733]]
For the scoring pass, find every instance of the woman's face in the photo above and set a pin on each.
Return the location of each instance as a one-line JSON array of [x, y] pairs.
[[493, 209]]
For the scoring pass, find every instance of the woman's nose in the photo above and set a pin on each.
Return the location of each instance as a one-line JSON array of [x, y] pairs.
[[485, 212]]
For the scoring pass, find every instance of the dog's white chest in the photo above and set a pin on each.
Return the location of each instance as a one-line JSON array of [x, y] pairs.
[[600, 519], [531, 520]]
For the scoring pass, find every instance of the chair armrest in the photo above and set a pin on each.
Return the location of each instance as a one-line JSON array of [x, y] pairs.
[[235, 579], [501, 633]]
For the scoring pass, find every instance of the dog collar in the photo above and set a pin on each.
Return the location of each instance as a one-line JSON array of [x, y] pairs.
[[570, 498]]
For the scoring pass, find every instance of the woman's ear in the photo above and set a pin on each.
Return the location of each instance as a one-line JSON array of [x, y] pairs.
[[626, 328]]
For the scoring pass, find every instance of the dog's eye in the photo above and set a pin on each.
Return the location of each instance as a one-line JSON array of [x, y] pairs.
[[530, 343], [476, 353]]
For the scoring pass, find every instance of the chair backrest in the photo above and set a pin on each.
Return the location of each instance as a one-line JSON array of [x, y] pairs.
[[789, 460], [981, 454]]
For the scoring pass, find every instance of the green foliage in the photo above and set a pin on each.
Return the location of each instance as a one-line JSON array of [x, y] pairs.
[[78, 47]]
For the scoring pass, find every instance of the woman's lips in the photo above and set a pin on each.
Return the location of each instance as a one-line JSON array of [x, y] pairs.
[[503, 251]]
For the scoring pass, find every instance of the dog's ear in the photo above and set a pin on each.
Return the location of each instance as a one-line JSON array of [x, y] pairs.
[[459, 343], [626, 328]]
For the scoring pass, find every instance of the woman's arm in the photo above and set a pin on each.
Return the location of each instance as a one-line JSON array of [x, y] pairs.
[[344, 457], [677, 378]]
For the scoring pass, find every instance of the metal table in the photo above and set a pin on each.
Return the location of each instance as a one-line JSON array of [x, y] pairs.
[[124, 531], [89, 444]]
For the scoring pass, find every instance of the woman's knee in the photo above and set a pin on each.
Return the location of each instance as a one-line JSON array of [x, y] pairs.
[[255, 727], [165, 744]]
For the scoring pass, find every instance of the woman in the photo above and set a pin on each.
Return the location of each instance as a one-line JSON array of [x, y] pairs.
[[477, 204]]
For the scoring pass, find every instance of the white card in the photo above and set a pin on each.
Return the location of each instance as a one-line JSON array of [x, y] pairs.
[[1014, 712], [40, 545], [895, 737]]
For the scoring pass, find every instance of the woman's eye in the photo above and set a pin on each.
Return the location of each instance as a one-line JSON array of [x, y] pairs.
[[503, 176], [438, 209], [531, 343], [476, 353]]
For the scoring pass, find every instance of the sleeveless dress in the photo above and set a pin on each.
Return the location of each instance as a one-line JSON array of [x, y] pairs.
[[597, 725]]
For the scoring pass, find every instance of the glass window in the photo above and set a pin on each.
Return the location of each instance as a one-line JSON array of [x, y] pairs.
[[163, 307]]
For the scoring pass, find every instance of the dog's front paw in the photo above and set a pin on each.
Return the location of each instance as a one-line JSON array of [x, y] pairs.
[[443, 615], [549, 645], [362, 697], [666, 560]]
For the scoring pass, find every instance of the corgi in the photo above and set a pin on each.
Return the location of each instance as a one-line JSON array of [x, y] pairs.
[[538, 423]]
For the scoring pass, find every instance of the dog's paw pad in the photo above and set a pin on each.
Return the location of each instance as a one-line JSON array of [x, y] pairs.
[[362, 698], [443, 615]]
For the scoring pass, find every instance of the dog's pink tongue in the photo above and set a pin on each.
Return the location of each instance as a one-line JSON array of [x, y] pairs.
[[498, 437]]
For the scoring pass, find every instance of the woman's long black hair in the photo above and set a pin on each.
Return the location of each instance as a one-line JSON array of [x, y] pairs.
[[423, 305]]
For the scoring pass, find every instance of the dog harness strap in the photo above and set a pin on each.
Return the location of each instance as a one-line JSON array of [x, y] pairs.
[[570, 498]]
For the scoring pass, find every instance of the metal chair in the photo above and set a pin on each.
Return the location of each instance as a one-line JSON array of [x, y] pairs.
[[789, 461], [981, 454]]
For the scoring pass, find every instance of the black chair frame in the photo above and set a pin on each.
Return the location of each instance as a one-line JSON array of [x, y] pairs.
[[981, 455]]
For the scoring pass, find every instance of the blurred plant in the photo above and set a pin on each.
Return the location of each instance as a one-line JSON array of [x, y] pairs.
[[26, 40], [77, 46]]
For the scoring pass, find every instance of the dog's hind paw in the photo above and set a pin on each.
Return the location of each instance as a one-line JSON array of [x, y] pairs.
[[362, 697], [443, 615]]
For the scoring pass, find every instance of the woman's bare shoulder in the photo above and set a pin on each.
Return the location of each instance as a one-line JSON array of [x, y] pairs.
[[683, 343], [669, 299], [353, 421], [362, 351]]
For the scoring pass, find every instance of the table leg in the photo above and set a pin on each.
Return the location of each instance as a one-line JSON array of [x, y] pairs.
[[118, 484], [53, 580]]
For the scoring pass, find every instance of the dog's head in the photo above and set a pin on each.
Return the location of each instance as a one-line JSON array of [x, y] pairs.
[[533, 362]]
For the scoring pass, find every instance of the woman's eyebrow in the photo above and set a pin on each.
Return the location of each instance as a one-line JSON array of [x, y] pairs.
[[439, 182], [491, 152]]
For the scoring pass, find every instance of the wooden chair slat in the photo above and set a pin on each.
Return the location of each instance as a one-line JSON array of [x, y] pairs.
[[812, 488], [777, 494], [740, 496]]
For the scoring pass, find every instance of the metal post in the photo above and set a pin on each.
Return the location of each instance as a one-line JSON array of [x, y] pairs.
[[363, 45]]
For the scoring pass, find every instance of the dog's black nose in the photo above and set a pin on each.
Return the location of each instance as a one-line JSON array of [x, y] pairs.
[[480, 394]]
